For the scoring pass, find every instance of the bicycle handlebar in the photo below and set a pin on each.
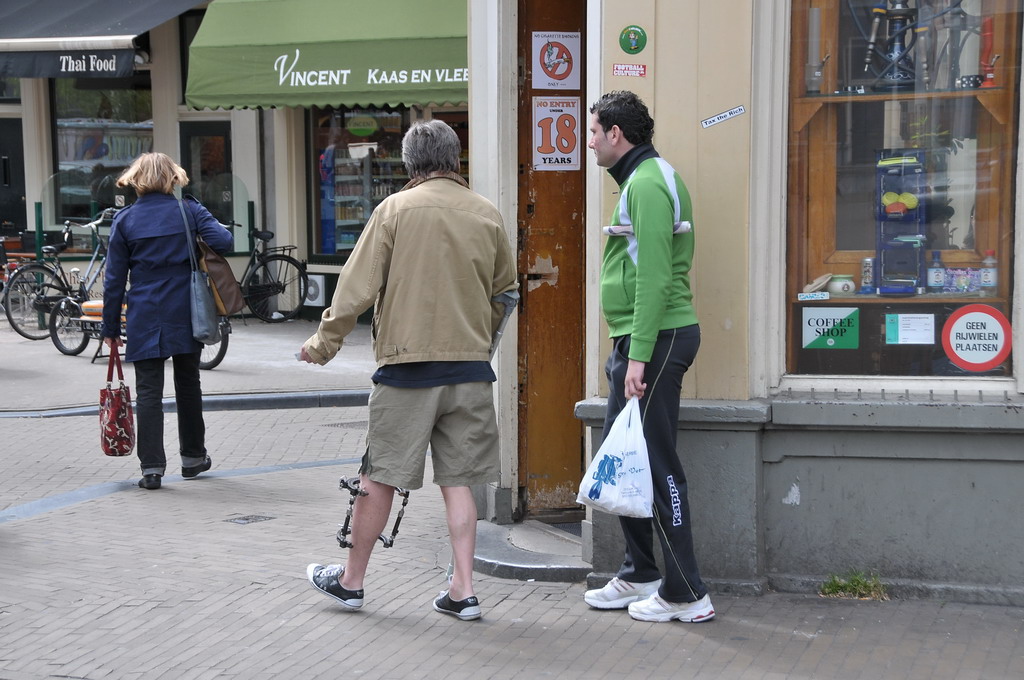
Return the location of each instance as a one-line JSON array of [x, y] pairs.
[[102, 215]]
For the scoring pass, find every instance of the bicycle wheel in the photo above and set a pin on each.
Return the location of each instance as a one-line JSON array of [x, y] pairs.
[[66, 330], [275, 289], [214, 354], [30, 295]]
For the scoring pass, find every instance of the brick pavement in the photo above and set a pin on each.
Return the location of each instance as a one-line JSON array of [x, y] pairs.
[[100, 579], [125, 583]]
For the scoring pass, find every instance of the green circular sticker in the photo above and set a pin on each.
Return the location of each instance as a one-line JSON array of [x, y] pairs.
[[633, 39], [361, 126]]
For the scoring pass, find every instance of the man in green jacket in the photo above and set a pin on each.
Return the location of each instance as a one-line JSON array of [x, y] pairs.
[[648, 305], [431, 260]]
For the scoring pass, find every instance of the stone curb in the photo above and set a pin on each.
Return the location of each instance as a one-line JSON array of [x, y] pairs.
[[228, 402]]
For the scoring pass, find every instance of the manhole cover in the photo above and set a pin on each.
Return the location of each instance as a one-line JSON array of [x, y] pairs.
[[248, 519]]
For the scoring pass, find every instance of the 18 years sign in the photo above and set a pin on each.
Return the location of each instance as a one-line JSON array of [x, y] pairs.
[[556, 133], [976, 337]]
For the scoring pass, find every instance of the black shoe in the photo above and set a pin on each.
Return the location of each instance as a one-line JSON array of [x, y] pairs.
[[326, 579], [150, 482], [190, 472], [467, 610]]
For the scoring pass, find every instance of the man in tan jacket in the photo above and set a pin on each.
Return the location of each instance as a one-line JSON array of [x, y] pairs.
[[432, 259]]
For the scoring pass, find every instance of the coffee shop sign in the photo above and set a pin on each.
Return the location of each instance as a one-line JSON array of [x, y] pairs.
[[288, 75]]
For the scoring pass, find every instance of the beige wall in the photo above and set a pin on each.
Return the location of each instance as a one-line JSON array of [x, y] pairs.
[[698, 59]]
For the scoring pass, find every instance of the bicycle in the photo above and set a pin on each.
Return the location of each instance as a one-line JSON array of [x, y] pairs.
[[274, 283], [91, 323], [35, 288]]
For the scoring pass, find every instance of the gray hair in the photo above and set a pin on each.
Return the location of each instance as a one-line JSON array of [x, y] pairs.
[[430, 146]]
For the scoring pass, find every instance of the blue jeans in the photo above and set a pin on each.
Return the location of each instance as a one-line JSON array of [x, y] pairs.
[[149, 412]]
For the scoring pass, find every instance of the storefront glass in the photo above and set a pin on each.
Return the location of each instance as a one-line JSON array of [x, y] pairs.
[[358, 163], [101, 126], [901, 183]]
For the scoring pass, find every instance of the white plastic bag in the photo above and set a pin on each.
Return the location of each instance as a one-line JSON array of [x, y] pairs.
[[619, 478]]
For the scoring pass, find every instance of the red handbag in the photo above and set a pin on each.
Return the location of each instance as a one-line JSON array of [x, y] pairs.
[[117, 421]]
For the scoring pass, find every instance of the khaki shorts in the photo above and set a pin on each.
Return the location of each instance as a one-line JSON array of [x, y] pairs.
[[458, 423]]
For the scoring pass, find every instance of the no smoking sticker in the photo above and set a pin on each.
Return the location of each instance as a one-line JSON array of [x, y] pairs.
[[556, 58]]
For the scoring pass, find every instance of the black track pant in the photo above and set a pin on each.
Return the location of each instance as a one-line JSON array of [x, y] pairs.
[[673, 353]]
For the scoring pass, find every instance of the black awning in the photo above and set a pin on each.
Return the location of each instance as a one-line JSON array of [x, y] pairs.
[[82, 39]]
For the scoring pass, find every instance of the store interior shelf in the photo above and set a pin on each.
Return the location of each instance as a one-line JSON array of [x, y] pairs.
[[994, 99], [925, 298]]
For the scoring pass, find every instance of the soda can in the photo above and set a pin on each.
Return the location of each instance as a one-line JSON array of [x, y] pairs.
[[867, 275]]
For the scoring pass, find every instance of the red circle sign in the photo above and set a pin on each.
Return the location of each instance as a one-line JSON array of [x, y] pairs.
[[556, 60], [976, 337]]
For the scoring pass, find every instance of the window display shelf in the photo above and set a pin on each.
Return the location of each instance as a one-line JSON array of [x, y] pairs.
[[923, 298], [995, 101], [878, 96]]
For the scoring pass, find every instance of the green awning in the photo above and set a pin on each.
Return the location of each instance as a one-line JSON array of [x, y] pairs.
[[272, 53]]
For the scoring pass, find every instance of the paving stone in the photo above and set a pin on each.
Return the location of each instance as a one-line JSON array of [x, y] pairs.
[[100, 579]]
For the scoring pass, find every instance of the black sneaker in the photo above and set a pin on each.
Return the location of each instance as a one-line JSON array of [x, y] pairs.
[[325, 578], [190, 472], [467, 610]]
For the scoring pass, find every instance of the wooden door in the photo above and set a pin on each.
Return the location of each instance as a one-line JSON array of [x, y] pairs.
[[551, 264]]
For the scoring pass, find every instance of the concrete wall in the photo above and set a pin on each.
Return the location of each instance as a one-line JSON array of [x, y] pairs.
[[787, 492]]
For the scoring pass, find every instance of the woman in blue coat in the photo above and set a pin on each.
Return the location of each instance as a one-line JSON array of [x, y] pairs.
[[148, 245]]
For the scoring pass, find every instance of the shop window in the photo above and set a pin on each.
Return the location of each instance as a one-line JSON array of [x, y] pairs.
[[901, 185], [100, 126], [206, 157], [357, 155]]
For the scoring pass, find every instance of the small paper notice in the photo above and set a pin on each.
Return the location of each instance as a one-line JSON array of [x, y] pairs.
[[910, 329]]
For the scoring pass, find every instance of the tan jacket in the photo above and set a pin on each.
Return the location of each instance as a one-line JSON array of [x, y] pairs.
[[432, 256]]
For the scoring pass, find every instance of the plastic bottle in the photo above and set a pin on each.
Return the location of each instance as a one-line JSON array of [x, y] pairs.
[[989, 274], [936, 273]]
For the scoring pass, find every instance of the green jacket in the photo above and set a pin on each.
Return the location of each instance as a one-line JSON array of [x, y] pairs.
[[645, 277]]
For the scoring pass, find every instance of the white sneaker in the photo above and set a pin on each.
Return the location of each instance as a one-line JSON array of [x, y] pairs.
[[618, 594], [656, 609]]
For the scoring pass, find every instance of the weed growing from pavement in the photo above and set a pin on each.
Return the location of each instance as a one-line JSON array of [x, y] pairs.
[[854, 585]]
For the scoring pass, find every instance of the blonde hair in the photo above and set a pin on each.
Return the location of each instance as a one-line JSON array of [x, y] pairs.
[[153, 173]]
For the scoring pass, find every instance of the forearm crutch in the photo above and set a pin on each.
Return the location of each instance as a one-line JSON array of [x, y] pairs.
[[351, 484]]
